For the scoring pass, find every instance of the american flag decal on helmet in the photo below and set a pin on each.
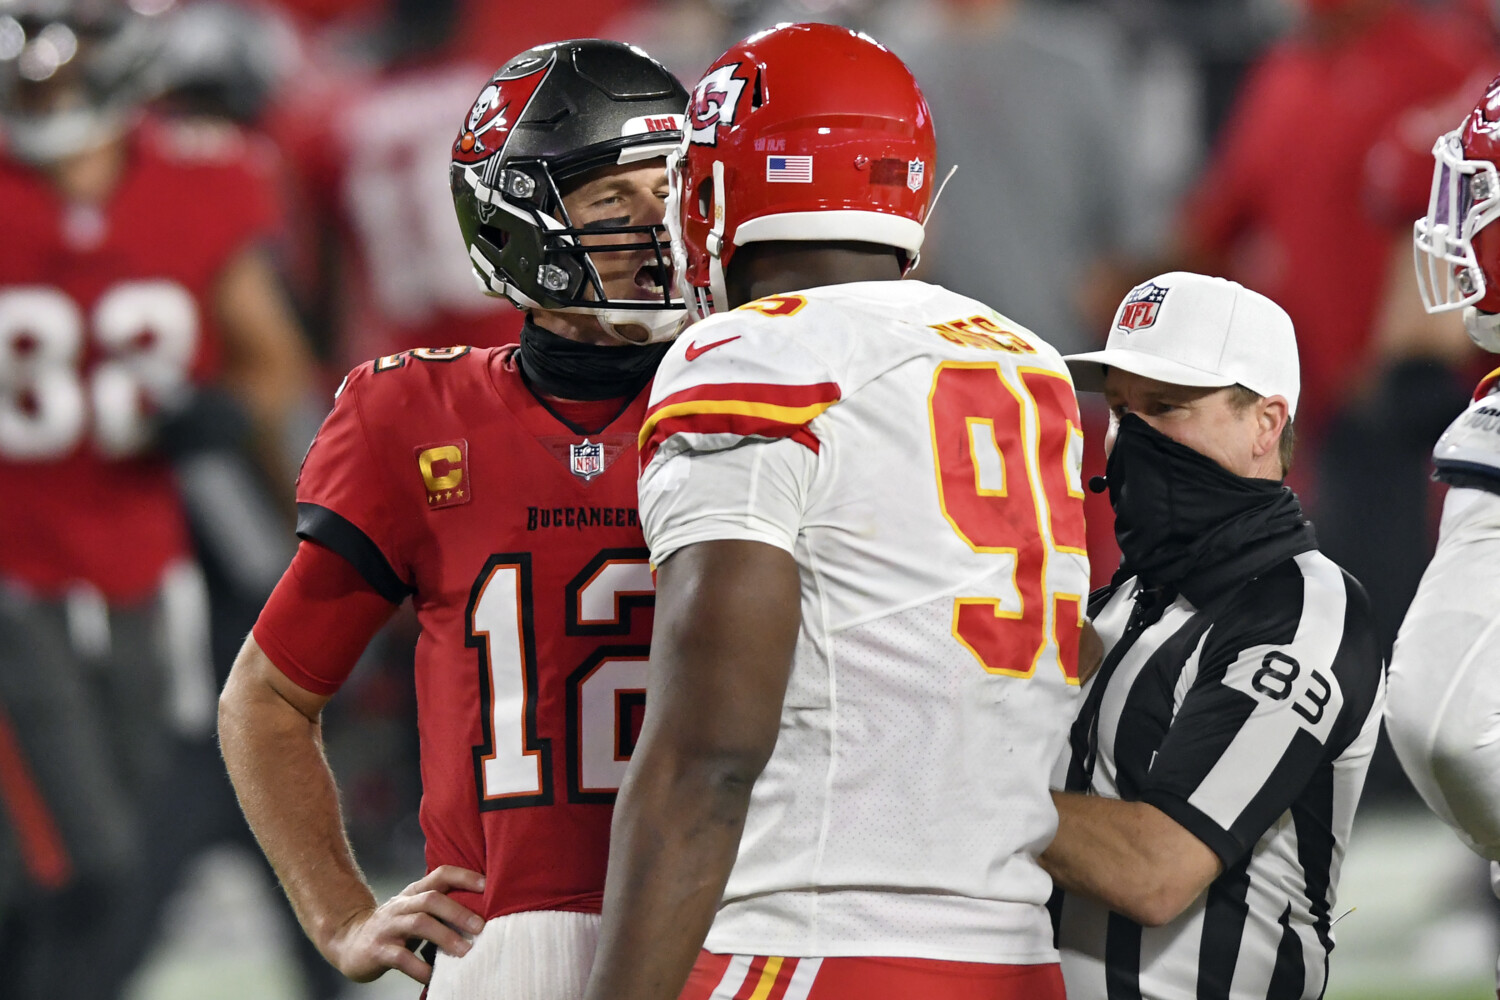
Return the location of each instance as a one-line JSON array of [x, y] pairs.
[[789, 169], [1139, 309]]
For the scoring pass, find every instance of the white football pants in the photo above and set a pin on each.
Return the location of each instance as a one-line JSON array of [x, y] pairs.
[[543, 955], [1443, 706]]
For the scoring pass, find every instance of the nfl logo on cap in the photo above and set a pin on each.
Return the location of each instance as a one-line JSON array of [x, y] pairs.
[[916, 174], [586, 460], [1140, 307]]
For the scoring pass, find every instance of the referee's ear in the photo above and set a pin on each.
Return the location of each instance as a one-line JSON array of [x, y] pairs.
[[1270, 450]]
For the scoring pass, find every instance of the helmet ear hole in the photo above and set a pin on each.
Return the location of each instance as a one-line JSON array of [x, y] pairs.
[[495, 235], [757, 94], [705, 198]]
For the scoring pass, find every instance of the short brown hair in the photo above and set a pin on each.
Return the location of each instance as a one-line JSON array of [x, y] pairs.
[[1241, 397]]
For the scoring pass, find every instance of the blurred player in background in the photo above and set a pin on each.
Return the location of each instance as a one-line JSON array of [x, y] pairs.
[[143, 338], [219, 67], [1445, 673], [862, 498], [1292, 165], [496, 488], [385, 266], [387, 269]]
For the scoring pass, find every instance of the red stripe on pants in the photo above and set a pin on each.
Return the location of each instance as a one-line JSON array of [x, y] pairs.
[[887, 978], [783, 979], [752, 978], [42, 850]]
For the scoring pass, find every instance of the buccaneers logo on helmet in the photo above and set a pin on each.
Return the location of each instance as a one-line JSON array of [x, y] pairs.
[[489, 123]]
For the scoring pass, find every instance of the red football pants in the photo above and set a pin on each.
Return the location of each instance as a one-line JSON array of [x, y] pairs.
[[758, 977]]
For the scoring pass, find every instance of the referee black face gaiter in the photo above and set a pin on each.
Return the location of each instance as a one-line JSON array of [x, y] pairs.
[[1178, 512]]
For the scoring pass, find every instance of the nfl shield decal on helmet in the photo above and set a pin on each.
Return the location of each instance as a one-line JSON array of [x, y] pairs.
[[916, 174], [586, 460], [1139, 309]]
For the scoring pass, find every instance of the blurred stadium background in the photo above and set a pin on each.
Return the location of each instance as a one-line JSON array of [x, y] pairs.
[[1281, 142]]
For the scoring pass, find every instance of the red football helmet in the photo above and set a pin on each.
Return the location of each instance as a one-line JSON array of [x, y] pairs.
[[1457, 253], [800, 132]]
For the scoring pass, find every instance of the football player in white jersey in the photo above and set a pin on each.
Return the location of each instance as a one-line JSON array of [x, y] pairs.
[[862, 496], [1445, 671]]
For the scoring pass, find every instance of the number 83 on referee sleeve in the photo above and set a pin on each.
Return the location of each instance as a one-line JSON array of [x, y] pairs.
[[1008, 450]]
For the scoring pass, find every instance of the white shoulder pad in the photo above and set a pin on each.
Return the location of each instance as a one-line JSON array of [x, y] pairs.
[[1472, 442], [734, 376], [1483, 329], [746, 346]]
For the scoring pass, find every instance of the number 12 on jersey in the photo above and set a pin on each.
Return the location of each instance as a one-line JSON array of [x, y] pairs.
[[605, 694], [1004, 494]]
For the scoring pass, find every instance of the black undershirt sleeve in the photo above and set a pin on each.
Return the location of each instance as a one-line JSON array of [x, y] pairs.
[[328, 529]]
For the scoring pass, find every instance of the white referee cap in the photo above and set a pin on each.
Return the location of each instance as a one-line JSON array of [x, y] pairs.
[[1191, 329]]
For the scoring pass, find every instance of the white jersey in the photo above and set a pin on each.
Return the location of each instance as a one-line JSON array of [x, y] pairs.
[[1445, 671], [918, 454], [1445, 674]]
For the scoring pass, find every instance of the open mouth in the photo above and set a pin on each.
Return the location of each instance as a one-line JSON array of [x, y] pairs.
[[654, 278]]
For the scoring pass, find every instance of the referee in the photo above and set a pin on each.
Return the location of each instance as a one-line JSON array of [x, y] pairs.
[[1215, 765]]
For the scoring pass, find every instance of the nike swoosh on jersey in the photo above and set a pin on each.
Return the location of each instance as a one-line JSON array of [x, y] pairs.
[[694, 352]]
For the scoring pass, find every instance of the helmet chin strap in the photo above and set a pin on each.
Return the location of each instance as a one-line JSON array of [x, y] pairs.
[[1484, 328], [715, 242], [659, 324], [686, 291]]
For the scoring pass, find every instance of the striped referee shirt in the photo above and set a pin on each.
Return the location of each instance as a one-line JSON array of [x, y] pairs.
[[1249, 718]]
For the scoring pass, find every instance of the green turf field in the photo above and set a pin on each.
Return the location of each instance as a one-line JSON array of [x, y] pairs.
[[1423, 926]]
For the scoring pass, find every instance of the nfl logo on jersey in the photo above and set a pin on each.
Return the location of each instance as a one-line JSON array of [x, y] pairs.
[[1139, 309], [586, 460]]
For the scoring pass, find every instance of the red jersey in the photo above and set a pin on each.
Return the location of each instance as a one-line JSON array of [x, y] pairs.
[[1285, 194], [103, 312], [438, 474]]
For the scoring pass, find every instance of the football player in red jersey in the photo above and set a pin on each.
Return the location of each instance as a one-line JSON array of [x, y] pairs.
[[133, 289], [496, 488]]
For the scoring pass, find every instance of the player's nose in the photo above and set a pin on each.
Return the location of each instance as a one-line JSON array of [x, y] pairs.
[[650, 210]]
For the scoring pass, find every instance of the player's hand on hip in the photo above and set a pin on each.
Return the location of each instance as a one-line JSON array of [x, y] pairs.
[[373, 941]]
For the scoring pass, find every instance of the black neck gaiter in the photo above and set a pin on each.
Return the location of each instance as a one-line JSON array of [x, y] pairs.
[[567, 369], [1179, 513]]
